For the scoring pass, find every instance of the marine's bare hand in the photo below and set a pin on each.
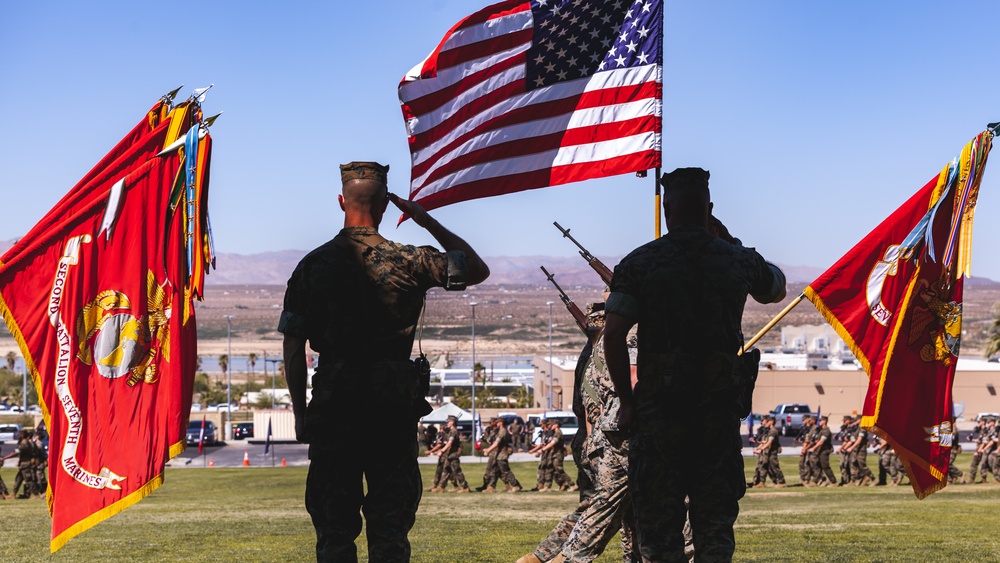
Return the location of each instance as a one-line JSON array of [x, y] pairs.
[[411, 208], [626, 417]]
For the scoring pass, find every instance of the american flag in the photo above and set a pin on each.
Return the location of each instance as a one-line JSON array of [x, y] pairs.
[[524, 95]]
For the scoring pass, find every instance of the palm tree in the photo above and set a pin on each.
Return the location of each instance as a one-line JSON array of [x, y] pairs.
[[252, 360], [11, 357], [224, 364]]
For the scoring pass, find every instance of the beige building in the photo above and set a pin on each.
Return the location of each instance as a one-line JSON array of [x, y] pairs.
[[562, 369]]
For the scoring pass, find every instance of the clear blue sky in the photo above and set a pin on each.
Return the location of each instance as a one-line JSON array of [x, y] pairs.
[[816, 119]]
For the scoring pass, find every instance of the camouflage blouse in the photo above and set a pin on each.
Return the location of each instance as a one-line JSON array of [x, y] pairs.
[[360, 295]]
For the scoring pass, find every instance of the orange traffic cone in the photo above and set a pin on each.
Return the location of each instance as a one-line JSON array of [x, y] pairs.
[[211, 462], [246, 458], [284, 463]]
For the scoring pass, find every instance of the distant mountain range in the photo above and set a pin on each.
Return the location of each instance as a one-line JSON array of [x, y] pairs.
[[273, 268]]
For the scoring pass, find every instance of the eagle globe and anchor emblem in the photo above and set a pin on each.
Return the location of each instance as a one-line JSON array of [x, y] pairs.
[[119, 343]]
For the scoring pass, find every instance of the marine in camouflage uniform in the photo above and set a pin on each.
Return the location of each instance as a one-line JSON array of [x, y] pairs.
[[549, 547], [557, 454], [516, 431], [858, 450], [544, 462], [760, 472], [846, 436], [356, 301], [770, 449], [41, 463], [988, 448], [442, 473], [25, 478], [490, 471], [804, 437], [822, 448], [977, 438], [453, 452], [955, 474], [584, 533], [686, 291], [4, 491], [504, 449]]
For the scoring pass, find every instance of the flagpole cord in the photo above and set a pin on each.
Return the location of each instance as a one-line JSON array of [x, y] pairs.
[[773, 322]]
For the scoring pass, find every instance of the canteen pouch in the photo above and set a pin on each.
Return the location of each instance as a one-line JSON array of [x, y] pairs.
[[423, 368]]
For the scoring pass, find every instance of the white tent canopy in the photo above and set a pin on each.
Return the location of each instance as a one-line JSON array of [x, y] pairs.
[[440, 415]]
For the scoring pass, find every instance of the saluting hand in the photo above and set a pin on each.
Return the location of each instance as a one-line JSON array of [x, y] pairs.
[[411, 208]]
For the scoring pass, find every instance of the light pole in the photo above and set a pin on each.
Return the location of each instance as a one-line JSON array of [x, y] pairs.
[[229, 376], [549, 303], [473, 304], [274, 373]]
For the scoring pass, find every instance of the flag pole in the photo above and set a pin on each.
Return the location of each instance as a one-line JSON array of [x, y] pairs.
[[659, 221], [773, 322]]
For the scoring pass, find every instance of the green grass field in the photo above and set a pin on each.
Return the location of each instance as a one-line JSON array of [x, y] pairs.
[[257, 514]]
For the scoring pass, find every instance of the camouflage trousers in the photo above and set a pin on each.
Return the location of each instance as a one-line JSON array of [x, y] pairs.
[[503, 468], [42, 477], [823, 462], [442, 474], [774, 468], [813, 472], [25, 477], [455, 466], [336, 498], [760, 472], [545, 472], [556, 458], [804, 472], [954, 473], [685, 447], [977, 458], [845, 468], [987, 465], [890, 464], [490, 473], [610, 509], [3, 486], [993, 465], [859, 464], [579, 536]]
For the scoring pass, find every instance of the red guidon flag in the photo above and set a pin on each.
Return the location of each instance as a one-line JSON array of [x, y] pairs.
[[896, 300], [99, 298], [523, 95]]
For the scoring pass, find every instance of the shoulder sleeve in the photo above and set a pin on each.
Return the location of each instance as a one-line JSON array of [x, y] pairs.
[[624, 290], [295, 312], [766, 280], [434, 268]]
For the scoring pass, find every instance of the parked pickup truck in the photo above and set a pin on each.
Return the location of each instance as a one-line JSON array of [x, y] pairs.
[[788, 417]]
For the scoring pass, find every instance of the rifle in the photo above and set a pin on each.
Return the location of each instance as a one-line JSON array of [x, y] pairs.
[[578, 316], [594, 262]]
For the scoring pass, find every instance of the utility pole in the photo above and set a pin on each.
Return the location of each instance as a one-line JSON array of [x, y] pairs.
[[229, 377], [473, 375], [549, 303]]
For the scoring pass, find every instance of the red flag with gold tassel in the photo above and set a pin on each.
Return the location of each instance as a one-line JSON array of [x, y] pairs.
[[896, 300], [99, 298]]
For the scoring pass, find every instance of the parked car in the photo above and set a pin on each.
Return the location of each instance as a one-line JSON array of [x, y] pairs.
[[788, 417], [242, 430], [8, 432], [567, 423], [194, 433]]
